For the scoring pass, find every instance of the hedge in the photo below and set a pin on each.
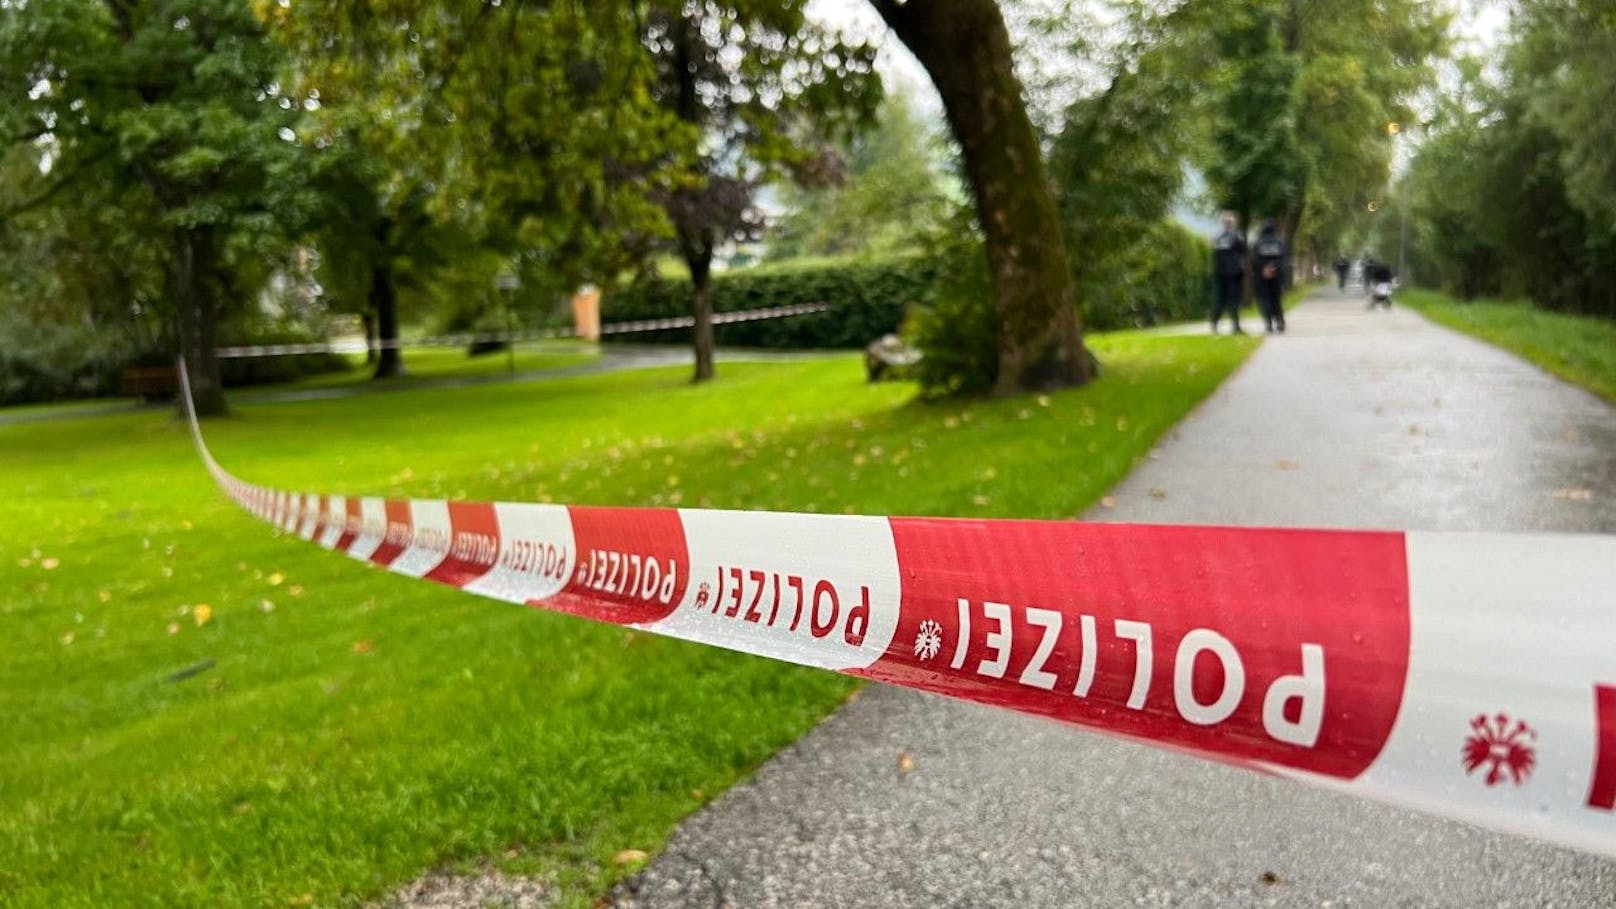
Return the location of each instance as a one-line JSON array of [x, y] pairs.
[[867, 299]]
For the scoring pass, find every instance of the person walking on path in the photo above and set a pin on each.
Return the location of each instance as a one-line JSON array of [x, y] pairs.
[[1270, 250], [1228, 273], [1342, 266]]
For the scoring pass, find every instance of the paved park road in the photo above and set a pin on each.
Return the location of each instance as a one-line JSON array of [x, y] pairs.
[[1353, 419]]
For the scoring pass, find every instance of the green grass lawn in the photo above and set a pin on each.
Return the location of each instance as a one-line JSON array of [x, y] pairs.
[[429, 364], [1580, 349], [344, 729]]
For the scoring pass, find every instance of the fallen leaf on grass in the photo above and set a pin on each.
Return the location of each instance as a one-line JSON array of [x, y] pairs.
[[302, 899], [266, 605], [363, 646], [173, 627], [295, 590], [104, 596], [630, 856], [275, 579], [50, 563], [67, 639], [202, 613]]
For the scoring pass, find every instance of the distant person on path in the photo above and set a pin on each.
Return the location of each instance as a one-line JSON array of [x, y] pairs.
[[1270, 250], [1342, 266], [1380, 280], [1228, 273]]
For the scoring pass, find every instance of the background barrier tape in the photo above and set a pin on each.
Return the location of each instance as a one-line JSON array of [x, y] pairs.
[[459, 340], [1469, 675]]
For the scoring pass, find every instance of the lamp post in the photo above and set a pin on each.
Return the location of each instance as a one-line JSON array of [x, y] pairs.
[[506, 282], [1395, 130]]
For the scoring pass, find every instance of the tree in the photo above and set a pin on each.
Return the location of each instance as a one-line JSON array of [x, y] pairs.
[[895, 193], [1118, 164], [965, 48], [1567, 55], [760, 86], [179, 99], [1257, 168]]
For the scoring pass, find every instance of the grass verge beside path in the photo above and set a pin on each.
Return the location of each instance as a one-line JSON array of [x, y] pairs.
[[423, 364], [1579, 349], [201, 713]]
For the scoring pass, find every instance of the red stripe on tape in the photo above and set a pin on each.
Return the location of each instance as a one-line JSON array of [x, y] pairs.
[[398, 534], [473, 545], [1602, 793], [632, 567], [1284, 647]]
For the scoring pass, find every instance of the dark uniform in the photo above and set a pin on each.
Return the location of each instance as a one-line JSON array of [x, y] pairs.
[[1270, 251], [1228, 272], [1342, 266]]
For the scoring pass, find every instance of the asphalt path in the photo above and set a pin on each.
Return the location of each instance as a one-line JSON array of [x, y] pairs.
[[1352, 419]]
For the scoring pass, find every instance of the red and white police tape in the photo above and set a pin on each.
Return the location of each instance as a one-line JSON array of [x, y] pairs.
[[1471, 675], [459, 340]]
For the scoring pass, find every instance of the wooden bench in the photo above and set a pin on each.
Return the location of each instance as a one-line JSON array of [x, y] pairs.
[[149, 383]]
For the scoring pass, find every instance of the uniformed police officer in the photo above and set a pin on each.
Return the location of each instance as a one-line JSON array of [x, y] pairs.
[[1228, 273], [1270, 255]]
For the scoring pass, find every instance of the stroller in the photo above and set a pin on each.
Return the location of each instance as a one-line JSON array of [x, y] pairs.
[[1381, 283]]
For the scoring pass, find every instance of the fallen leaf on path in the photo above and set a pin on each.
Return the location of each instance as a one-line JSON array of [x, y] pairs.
[[1284, 464], [906, 762], [1108, 502], [630, 856], [1575, 495], [1157, 492]]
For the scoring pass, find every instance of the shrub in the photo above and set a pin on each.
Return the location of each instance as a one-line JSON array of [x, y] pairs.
[[1163, 277], [867, 300], [45, 362]]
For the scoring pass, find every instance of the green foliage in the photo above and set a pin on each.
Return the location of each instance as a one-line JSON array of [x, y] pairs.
[[1257, 168], [1580, 349], [893, 196], [1163, 276], [358, 728], [1500, 200], [867, 299], [957, 331], [44, 361]]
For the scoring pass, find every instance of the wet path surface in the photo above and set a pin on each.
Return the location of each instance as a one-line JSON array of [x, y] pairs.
[[1352, 419]]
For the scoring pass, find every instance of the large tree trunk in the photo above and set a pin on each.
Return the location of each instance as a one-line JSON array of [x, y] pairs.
[[384, 301], [964, 46], [698, 256], [196, 305]]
